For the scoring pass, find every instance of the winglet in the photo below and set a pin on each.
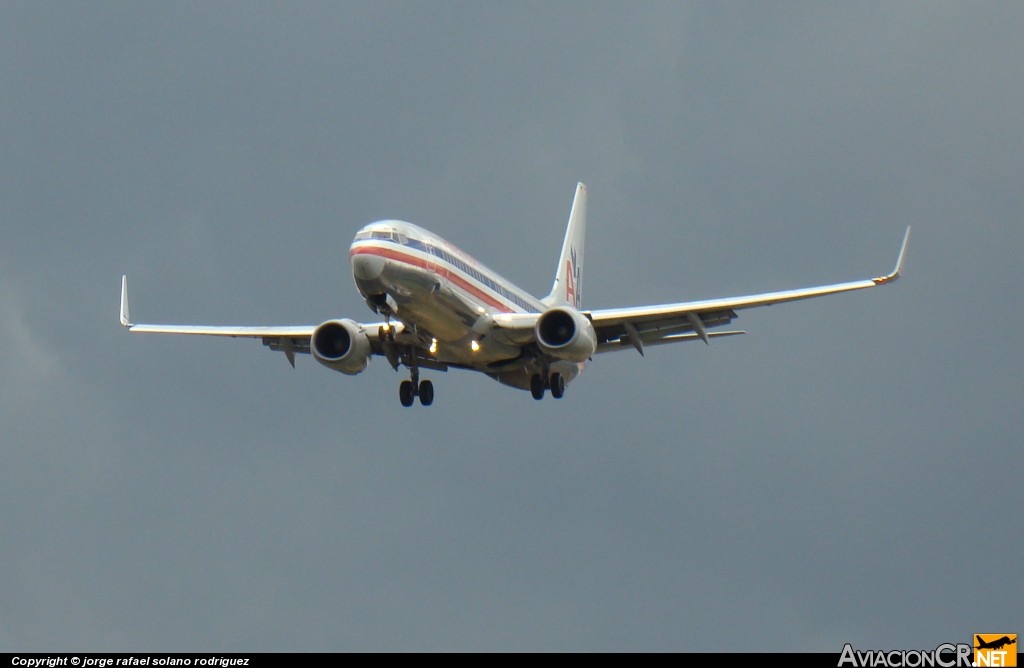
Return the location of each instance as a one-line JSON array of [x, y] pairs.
[[898, 269], [125, 317]]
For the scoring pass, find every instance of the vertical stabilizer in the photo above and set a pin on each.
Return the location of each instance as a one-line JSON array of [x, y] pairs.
[[569, 273]]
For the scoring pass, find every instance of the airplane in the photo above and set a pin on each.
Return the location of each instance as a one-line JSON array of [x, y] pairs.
[[998, 643], [443, 310]]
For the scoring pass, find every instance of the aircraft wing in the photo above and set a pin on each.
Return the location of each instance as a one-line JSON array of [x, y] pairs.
[[641, 326], [289, 339]]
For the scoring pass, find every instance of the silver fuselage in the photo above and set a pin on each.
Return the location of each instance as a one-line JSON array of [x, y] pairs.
[[440, 292]]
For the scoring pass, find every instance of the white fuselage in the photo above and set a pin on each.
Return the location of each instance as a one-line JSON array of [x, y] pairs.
[[439, 291]]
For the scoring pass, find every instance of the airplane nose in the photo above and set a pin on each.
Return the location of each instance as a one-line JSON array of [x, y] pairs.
[[367, 267]]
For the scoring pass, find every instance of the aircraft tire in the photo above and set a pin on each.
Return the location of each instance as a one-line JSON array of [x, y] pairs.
[[557, 385], [537, 386], [426, 393], [405, 394]]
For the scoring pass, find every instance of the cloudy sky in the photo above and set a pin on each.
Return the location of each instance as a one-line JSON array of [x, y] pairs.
[[845, 473]]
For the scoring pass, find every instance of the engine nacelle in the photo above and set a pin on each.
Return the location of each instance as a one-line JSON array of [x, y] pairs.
[[339, 345], [567, 334]]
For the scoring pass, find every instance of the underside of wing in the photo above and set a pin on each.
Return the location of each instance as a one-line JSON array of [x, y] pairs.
[[234, 331], [641, 326]]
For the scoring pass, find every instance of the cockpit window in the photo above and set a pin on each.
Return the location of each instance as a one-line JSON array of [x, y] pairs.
[[383, 235]]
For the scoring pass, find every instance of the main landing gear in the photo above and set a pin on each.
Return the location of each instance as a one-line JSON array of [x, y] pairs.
[[408, 390], [555, 383]]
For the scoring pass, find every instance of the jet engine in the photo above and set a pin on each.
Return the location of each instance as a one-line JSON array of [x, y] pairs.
[[567, 334], [340, 345]]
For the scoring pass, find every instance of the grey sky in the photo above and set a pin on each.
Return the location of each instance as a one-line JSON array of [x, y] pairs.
[[845, 473]]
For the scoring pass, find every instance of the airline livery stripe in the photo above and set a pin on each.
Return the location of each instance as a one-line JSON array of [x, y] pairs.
[[439, 269]]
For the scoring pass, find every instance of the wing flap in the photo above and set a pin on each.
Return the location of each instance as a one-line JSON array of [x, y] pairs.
[[657, 325], [625, 342]]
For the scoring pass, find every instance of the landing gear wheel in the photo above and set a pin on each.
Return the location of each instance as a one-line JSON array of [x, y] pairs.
[[426, 393], [405, 393], [557, 385], [537, 386]]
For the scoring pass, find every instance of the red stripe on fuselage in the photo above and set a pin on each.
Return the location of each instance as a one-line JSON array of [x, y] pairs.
[[435, 268]]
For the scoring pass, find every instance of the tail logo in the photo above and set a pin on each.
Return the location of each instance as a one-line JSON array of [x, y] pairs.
[[572, 279]]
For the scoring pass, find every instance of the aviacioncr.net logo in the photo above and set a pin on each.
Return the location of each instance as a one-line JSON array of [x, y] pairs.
[[946, 655]]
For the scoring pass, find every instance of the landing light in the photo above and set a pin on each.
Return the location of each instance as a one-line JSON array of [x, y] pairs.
[[433, 346], [474, 346], [386, 327]]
